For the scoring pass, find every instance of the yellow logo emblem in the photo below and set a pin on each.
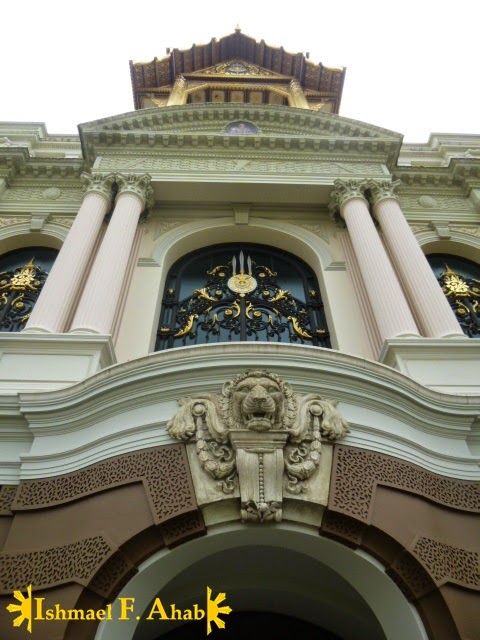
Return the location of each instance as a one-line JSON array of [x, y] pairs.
[[24, 609], [127, 606]]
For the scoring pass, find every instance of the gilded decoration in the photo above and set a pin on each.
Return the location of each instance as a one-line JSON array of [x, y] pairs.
[[259, 435], [463, 295], [19, 291], [237, 68]]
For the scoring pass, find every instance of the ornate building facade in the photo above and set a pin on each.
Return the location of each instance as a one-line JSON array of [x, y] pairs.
[[239, 349]]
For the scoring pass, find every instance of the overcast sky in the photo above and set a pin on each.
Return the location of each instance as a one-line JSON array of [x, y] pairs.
[[412, 66]]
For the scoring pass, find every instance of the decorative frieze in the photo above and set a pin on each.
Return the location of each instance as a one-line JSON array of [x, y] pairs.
[[150, 466], [63, 222], [356, 474], [7, 221], [232, 165], [447, 563], [31, 194], [74, 562]]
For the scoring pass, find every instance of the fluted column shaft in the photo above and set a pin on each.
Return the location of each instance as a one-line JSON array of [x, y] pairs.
[[432, 310], [61, 289], [98, 305], [389, 306]]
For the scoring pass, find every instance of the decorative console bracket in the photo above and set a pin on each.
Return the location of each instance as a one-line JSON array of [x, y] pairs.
[[261, 435]]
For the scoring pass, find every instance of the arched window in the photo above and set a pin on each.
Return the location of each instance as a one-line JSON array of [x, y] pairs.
[[235, 292], [22, 275], [460, 282]]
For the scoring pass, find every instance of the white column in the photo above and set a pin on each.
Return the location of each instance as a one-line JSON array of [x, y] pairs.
[[61, 289], [98, 305], [432, 310], [388, 302]]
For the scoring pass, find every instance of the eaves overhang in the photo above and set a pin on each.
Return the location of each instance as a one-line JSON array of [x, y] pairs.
[[148, 76]]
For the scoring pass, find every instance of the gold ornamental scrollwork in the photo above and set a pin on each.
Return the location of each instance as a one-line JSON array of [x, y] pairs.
[[463, 294], [20, 290]]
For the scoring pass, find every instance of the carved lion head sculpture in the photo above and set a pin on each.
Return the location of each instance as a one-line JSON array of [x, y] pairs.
[[259, 401]]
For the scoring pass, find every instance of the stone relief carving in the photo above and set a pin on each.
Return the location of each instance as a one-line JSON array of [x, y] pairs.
[[418, 228], [445, 203], [320, 230], [6, 222], [63, 222], [427, 201], [471, 231], [52, 193], [260, 434], [166, 225]]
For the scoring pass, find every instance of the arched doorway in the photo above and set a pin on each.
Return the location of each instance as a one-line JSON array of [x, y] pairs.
[[281, 570]]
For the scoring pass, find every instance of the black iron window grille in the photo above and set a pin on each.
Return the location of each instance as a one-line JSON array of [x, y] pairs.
[[22, 276], [241, 293], [460, 282]]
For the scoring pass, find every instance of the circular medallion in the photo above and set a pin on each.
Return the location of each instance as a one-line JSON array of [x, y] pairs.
[[52, 193], [242, 283], [427, 201]]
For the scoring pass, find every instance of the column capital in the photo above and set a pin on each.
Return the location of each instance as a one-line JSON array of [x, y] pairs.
[[344, 191], [383, 190], [136, 185], [98, 183]]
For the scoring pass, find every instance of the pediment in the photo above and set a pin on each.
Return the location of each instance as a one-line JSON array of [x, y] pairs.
[[237, 69]]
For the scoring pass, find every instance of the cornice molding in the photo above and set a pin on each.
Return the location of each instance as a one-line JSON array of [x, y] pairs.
[[18, 163], [112, 411], [461, 172]]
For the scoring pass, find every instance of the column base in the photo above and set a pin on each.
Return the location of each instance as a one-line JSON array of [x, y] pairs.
[[35, 362], [449, 365]]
